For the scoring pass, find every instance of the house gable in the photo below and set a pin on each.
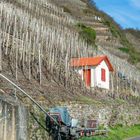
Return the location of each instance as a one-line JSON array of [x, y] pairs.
[[99, 68], [98, 74]]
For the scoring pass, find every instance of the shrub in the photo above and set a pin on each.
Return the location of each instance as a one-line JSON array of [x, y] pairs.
[[124, 49], [66, 10], [134, 56], [87, 33], [88, 11]]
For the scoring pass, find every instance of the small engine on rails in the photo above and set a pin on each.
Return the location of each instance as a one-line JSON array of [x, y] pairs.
[[66, 128]]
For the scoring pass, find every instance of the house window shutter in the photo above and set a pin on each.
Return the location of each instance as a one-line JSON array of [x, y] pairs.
[[103, 75]]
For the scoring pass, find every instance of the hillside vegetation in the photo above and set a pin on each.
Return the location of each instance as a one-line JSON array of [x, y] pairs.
[[37, 41], [119, 133]]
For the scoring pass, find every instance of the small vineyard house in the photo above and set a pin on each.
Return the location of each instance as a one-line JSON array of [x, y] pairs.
[[94, 71]]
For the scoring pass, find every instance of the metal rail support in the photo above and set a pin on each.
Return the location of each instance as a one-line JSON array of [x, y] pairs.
[[27, 95]]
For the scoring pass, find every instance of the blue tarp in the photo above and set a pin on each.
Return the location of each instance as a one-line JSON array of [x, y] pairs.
[[65, 116]]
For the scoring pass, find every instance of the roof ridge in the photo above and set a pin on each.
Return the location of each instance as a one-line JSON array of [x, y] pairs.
[[91, 61]]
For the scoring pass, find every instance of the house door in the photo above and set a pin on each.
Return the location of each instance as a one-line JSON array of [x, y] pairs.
[[87, 77]]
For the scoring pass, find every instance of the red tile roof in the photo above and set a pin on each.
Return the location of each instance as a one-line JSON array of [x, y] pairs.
[[91, 61]]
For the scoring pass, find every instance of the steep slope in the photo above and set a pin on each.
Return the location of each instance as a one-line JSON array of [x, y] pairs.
[[110, 39], [134, 37], [37, 41], [24, 40]]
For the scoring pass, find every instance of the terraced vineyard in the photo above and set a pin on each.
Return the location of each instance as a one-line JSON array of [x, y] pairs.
[[38, 38]]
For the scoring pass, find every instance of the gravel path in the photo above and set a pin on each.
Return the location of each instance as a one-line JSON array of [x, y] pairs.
[[137, 138]]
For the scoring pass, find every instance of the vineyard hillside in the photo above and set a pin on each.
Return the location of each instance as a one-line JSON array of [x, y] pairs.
[[38, 39]]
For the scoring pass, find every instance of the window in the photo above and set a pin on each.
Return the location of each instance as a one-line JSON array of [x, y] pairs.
[[103, 75]]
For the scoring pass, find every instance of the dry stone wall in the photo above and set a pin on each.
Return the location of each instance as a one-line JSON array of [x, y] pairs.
[[124, 114]]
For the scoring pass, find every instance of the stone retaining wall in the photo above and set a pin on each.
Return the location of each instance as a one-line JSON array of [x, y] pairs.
[[125, 114]]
